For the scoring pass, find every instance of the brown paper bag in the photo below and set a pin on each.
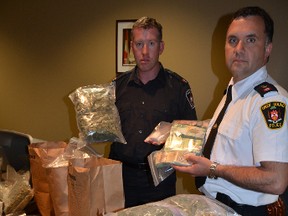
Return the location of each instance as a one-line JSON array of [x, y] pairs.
[[58, 189], [41, 154], [95, 186]]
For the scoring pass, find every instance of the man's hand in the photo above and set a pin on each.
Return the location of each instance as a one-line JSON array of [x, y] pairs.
[[200, 166]]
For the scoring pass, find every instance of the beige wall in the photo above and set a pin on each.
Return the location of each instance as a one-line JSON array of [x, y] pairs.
[[49, 49]]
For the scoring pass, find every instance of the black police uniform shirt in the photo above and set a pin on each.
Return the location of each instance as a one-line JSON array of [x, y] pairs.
[[141, 107]]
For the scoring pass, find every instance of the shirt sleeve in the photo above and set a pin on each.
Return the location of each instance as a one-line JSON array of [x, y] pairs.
[[270, 130], [186, 104]]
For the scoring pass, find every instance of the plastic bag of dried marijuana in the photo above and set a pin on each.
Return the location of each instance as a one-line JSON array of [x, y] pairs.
[[15, 190], [97, 116], [181, 204]]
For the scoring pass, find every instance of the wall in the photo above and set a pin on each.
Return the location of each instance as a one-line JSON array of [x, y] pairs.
[[48, 49]]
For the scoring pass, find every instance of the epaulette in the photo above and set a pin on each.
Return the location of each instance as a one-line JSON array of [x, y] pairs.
[[177, 76], [264, 88]]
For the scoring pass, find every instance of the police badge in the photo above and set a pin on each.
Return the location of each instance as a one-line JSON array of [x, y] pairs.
[[274, 114]]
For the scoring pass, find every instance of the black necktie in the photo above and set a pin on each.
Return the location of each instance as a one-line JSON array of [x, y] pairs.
[[199, 181]]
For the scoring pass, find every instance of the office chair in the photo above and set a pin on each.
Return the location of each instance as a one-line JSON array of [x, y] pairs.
[[14, 149]]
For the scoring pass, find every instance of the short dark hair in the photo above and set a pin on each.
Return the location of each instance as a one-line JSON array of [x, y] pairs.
[[257, 11], [148, 23]]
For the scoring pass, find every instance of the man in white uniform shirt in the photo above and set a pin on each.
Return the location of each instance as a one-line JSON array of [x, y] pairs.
[[248, 165]]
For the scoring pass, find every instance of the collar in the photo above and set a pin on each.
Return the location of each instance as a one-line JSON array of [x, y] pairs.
[[248, 84], [159, 78]]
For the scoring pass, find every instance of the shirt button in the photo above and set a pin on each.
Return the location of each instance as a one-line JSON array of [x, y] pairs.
[[140, 131], [143, 102]]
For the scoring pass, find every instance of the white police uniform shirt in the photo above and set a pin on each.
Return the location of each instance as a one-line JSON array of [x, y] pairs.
[[248, 135]]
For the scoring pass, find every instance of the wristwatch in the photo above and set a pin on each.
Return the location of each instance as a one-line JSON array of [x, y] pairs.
[[213, 170]]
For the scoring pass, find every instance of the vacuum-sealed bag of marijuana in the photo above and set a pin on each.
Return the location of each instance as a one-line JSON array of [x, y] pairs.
[[184, 137]]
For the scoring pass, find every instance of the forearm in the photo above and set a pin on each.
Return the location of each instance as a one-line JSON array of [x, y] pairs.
[[268, 179]]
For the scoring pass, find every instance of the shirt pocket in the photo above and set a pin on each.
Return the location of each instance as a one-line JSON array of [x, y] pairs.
[[162, 112], [230, 131], [125, 112]]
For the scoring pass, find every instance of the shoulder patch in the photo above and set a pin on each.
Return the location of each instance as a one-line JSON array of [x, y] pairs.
[[274, 114], [264, 88], [189, 97]]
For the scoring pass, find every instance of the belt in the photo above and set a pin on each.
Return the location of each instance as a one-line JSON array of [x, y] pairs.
[[277, 208], [139, 166], [241, 208]]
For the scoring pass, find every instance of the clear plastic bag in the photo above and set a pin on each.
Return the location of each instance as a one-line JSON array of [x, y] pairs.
[[15, 191], [161, 162], [180, 205], [184, 137], [160, 133], [97, 116], [169, 157], [76, 148]]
